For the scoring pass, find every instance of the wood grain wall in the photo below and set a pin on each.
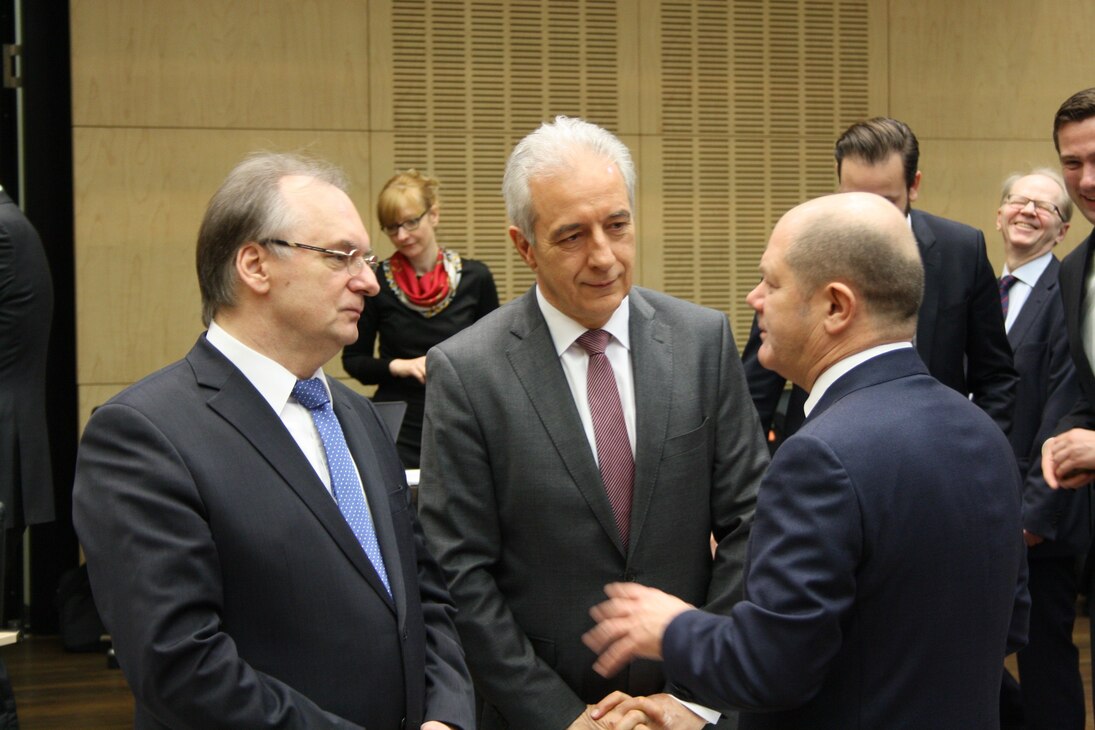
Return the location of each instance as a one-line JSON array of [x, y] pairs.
[[730, 108]]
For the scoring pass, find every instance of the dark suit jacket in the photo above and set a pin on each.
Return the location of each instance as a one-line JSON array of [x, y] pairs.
[[886, 568], [26, 310], [513, 506], [959, 333], [235, 592], [1073, 273], [1047, 391]]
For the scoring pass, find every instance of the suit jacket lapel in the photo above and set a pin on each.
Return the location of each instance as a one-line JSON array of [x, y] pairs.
[[652, 364], [1040, 296], [236, 400], [929, 307], [533, 359]]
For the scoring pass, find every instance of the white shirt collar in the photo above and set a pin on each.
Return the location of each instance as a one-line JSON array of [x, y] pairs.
[[1031, 271], [564, 330], [842, 367], [270, 378]]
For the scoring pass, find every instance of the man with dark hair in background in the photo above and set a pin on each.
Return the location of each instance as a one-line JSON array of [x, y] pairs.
[[960, 332]]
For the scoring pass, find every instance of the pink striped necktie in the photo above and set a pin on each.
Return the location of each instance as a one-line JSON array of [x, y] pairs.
[[614, 455]]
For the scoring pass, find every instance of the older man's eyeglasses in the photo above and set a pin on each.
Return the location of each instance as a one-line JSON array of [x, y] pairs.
[[411, 224], [353, 261], [1020, 201]]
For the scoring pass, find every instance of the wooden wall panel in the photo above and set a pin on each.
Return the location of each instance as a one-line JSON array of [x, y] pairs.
[[730, 108], [965, 184], [140, 196], [987, 70], [262, 64]]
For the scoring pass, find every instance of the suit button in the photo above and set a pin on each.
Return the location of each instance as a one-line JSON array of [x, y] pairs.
[[629, 576], [404, 634]]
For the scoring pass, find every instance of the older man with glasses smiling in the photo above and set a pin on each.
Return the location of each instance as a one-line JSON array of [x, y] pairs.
[[1033, 218]]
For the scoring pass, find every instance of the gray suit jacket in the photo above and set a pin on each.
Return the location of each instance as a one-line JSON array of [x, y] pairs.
[[514, 509]]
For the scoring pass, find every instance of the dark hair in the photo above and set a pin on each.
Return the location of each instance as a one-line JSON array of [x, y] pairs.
[[874, 140], [247, 207], [1077, 108]]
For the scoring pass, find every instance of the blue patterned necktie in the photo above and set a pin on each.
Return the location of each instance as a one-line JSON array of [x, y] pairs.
[[345, 482]]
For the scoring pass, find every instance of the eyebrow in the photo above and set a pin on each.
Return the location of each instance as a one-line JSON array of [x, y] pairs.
[[568, 227]]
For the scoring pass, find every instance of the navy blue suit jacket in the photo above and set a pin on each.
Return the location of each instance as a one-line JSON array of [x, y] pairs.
[[959, 333], [234, 590], [1048, 390], [886, 569]]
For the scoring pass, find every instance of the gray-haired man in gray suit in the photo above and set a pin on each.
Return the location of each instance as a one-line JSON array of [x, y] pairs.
[[519, 460]]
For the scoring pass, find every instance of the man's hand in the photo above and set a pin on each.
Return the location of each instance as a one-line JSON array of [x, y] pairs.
[[415, 368], [1068, 459], [435, 725], [609, 718], [655, 712], [629, 625]]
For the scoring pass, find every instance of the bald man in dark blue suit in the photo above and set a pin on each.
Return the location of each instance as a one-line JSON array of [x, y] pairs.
[[885, 579]]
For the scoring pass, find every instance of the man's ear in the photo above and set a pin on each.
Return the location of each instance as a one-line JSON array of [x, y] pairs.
[[914, 190], [252, 267], [524, 247], [843, 306]]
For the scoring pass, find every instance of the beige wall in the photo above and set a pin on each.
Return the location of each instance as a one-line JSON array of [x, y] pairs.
[[730, 108]]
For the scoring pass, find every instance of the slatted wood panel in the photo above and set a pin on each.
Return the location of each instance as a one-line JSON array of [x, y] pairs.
[[728, 108], [742, 100], [752, 98]]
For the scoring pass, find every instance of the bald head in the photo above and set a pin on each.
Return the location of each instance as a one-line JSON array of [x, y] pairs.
[[863, 241]]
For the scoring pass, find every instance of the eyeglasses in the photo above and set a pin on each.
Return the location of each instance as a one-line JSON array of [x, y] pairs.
[[411, 224], [1019, 201], [353, 261]]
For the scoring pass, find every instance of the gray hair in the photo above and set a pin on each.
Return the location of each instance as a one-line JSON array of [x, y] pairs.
[[1064, 203], [549, 149], [248, 207]]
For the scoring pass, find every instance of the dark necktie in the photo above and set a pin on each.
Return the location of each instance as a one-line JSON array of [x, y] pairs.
[[1005, 284], [614, 455], [345, 482]]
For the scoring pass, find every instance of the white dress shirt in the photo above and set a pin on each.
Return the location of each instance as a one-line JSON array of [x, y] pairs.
[[842, 367], [1026, 276], [275, 384]]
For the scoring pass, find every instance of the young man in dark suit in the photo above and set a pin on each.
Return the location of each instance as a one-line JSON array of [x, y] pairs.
[[1068, 459], [1034, 217], [248, 526], [886, 560], [960, 333]]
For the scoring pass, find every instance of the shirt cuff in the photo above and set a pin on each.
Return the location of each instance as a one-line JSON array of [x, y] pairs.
[[704, 713]]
